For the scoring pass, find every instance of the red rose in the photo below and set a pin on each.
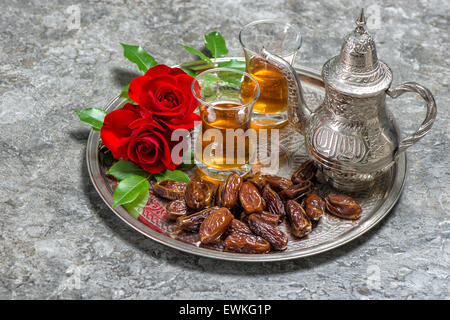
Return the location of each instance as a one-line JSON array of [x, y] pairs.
[[166, 93], [115, 132], [150, 146], [141, 140], [142, 133]]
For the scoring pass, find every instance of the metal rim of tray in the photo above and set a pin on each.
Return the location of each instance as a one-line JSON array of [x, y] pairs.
[[100, 185]]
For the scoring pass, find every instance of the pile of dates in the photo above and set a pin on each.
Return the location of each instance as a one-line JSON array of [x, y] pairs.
[[244, 212]]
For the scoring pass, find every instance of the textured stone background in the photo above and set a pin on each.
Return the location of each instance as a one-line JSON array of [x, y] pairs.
[[59, 240]]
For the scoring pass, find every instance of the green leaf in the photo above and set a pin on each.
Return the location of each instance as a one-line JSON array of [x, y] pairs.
[[216, 44], [232, 78], [136, 207], [188, 71], [129, 189], [124, 92], [200, 54], [139, 56], [172, 175], [195, 65], [92, 116], [122, 169], [234, 64], [211, 77]]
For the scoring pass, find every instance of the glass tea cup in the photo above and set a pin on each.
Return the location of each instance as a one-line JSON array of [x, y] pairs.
[[224, 142], [279, 38]]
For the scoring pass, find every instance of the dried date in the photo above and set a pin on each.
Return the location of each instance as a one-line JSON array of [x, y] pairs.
[[170, 189], [192, 222], [246, 243], [214, 225], [269, 218], [250, 198], [277, 239], [343, 206], [300, 224], [237, 226], [228, 192], [273, 202], [176, 209], [199, 194], [257, 179], [278, 183], [314, 207], [304, 173], [297, 191]]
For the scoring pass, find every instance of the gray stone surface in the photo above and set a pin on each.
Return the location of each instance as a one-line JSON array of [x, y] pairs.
[[59, 240]]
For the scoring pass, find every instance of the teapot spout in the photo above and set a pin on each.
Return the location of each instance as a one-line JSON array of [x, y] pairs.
[[298, 111]]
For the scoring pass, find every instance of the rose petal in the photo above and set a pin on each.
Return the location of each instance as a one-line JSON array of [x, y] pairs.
[[160, 143], [132, 107], [181, 123], [115, 132], [152, 155], [146, 124], [154, 167], [138, 90], [184, 83], [161, 93], [163, 69], [155, 84], [168, 98]]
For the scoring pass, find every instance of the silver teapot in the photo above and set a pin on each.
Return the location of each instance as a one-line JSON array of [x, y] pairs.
[[351, 137]]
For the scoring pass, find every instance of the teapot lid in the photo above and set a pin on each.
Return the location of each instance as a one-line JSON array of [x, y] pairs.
[[357, 70]]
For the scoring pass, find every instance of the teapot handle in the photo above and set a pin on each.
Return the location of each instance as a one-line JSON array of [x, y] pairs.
[[429, 119]]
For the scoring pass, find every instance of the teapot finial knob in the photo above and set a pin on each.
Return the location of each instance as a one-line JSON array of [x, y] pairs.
[[361, 21]]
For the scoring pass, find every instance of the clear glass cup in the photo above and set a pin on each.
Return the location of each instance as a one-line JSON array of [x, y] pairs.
[[279, 38], [224, 142]]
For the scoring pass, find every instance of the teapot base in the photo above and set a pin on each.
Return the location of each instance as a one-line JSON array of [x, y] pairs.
[[354, 183]]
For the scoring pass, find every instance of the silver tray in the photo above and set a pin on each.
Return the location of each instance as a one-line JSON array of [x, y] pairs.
[[330, 232]]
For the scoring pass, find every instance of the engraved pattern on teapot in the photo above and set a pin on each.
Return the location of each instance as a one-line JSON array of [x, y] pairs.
[[338, 145], [352, 108], [376, 78]]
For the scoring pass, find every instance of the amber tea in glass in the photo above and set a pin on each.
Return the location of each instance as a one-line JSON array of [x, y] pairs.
[[279, 38], [273, 100], [225, 144]]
